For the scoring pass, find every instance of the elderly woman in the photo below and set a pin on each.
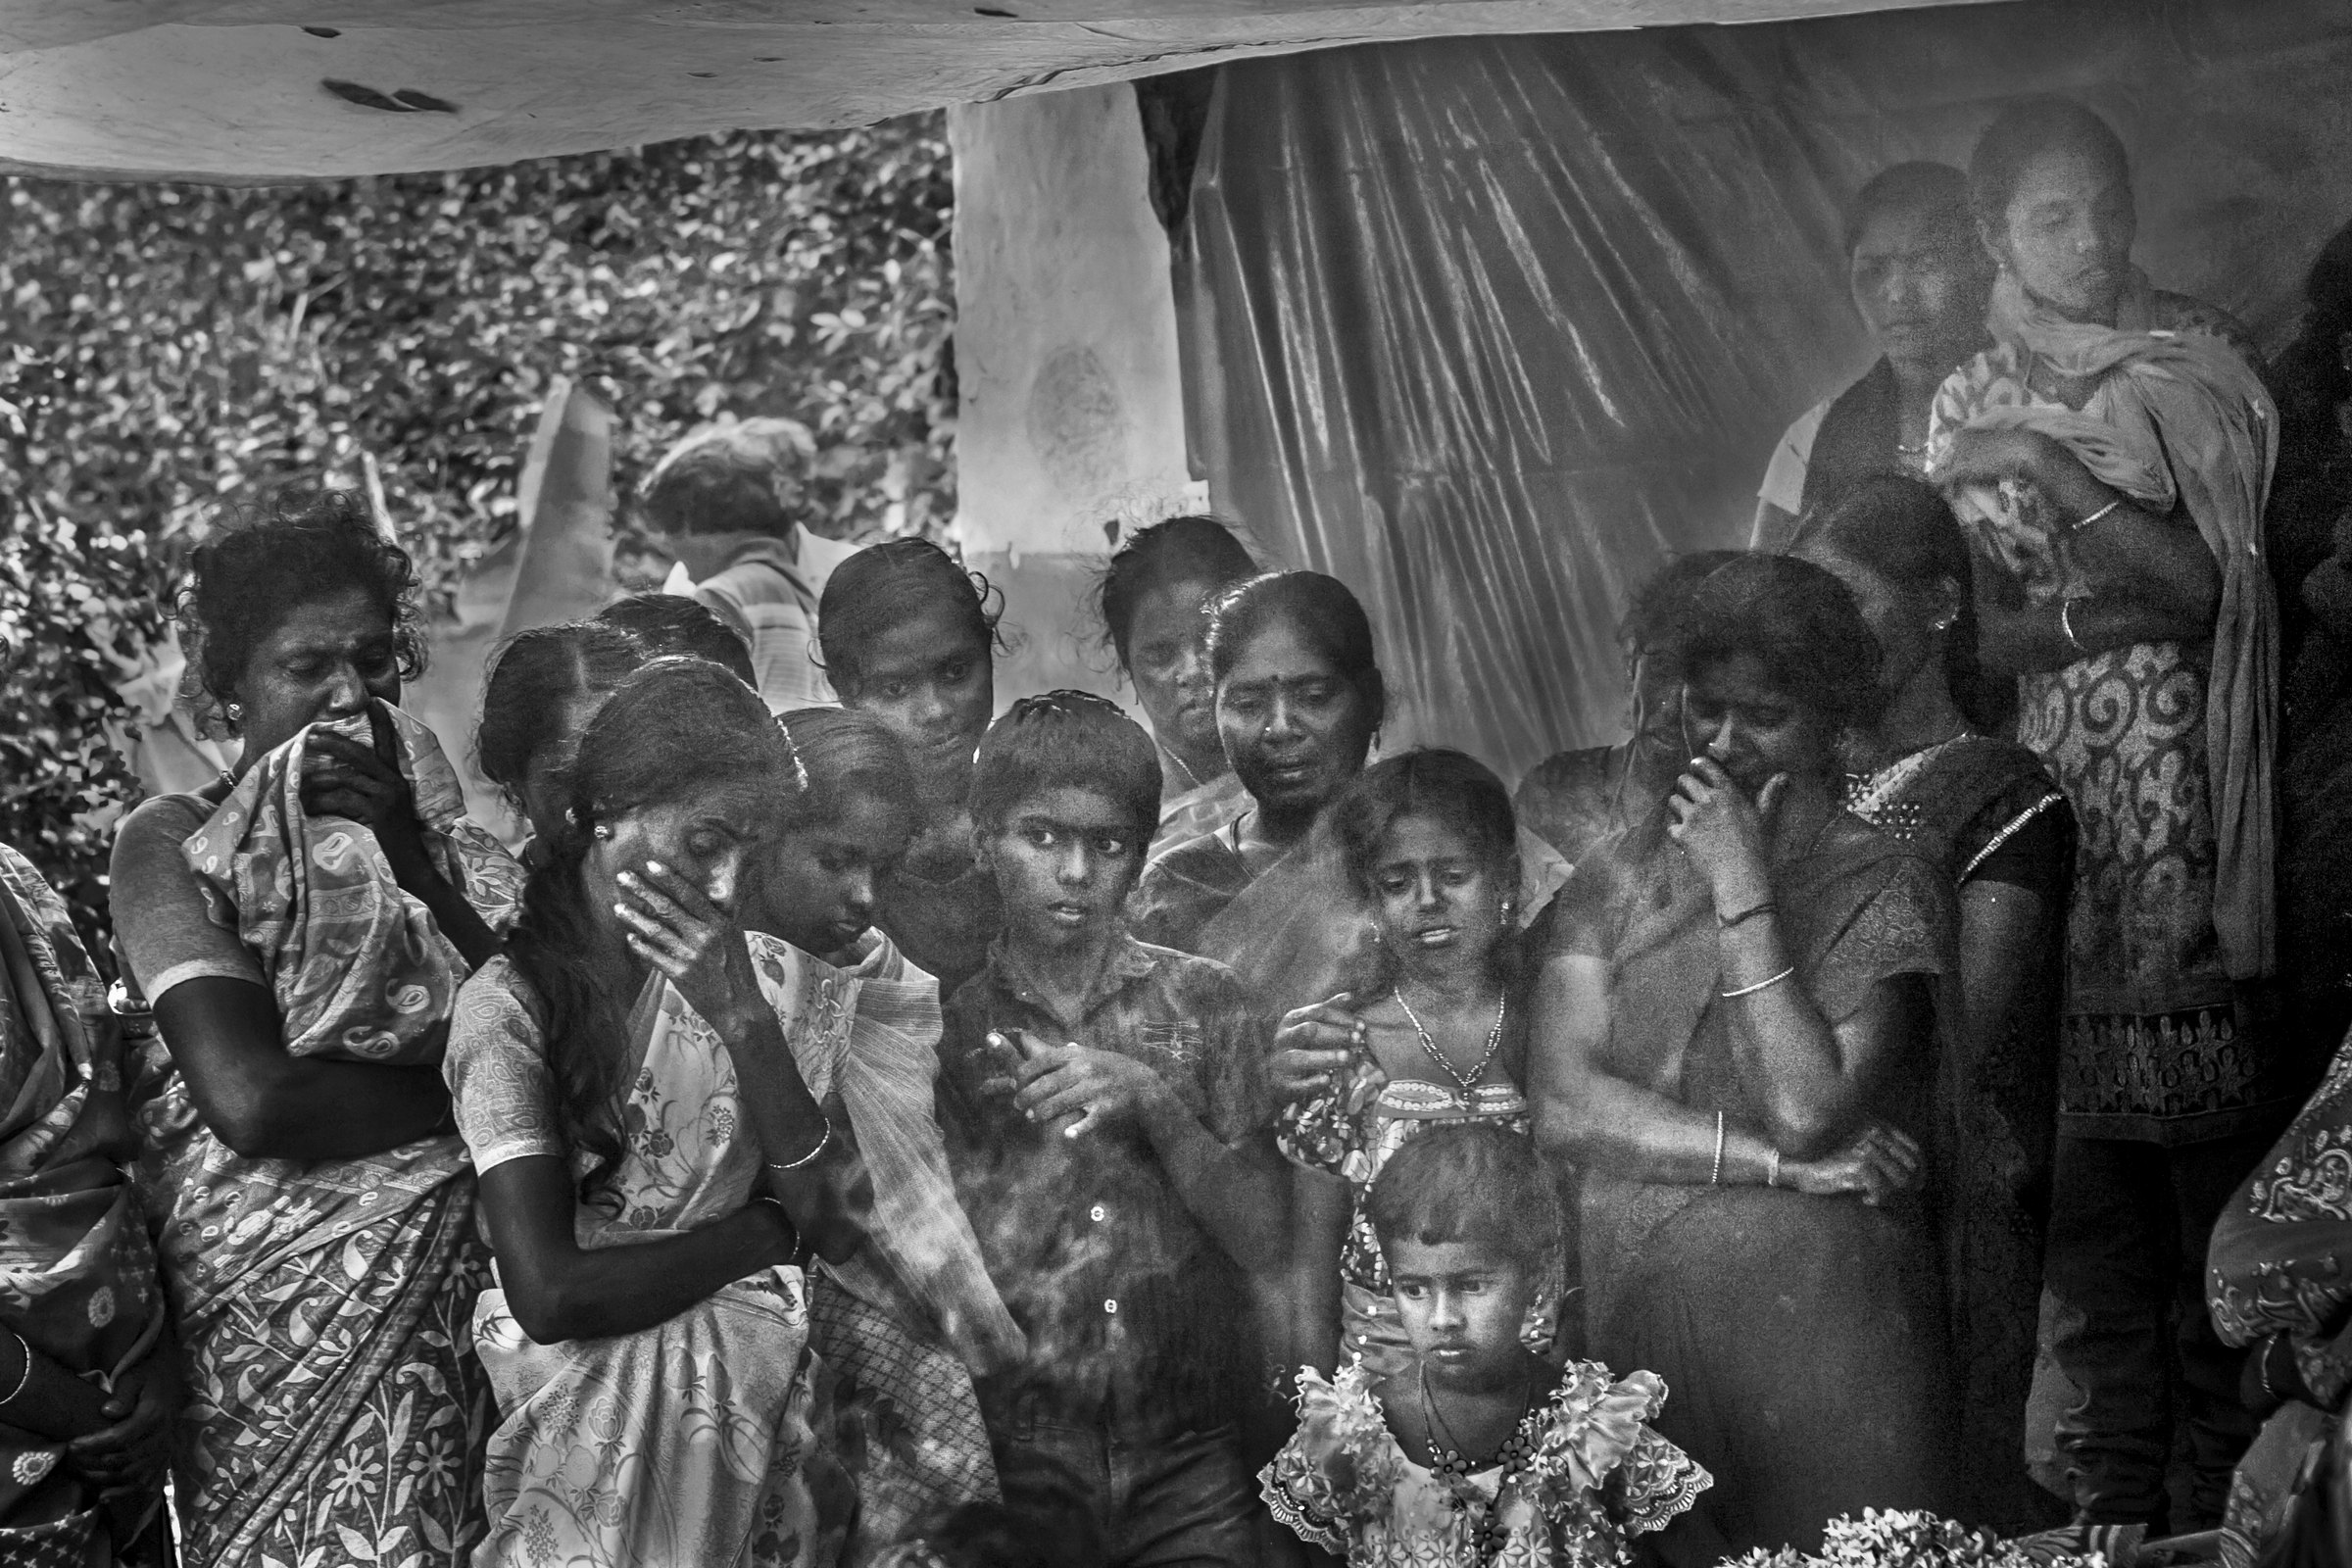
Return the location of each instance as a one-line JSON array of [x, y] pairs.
[[2111, 454], [1919, 281], [1735, 1040], [301, 928]]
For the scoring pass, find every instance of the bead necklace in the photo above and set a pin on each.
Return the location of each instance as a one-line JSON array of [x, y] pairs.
[[1454, 1472], [1493, 1043]]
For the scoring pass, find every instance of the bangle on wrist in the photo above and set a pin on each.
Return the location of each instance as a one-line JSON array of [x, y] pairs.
[[23, 1349], [1761, 985], [2068, 530], [1716, 1180], [824, 1141], [1772, 1170], [2066, 622]]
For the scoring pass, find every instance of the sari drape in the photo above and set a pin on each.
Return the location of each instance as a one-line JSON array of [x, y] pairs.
[[906, 1323], [1804, 1336], [691, 1441], [77, 1276], [332, 1405]]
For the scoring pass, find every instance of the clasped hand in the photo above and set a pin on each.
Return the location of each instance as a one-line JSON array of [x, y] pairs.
[[1879, 1167], [130, 1456], [1313, 1046], [1723, 831], [340, 777], [1049, 1082]]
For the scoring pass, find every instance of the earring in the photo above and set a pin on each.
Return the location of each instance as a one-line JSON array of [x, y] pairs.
[[1375, 936], [237, 711], [603, 832], [1945, 624], [1509, 908]]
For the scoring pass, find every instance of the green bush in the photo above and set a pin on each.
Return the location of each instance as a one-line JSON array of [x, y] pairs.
[[176, 346]]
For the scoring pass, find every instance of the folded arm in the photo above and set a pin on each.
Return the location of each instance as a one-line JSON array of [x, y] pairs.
[[228, 1042], [559, 1289]]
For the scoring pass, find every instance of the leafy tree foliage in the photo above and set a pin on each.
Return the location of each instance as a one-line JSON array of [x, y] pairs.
[[173, 348]]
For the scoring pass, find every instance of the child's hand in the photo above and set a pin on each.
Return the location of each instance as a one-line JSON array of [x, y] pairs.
[[1096, 1087], [1313, 1046]]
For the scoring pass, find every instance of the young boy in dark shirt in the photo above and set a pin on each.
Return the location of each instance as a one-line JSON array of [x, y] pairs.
[[1103, 1110]]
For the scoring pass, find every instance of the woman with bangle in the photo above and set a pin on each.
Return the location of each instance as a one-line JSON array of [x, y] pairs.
[[301, 929], [653, 1166], [1735, 1039], [2112, 451], [89, 1375]]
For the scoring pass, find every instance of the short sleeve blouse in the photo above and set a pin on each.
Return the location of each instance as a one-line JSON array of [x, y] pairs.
[[499, 1079], [174, 925]]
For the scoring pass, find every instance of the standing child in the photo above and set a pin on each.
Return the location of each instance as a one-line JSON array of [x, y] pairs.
[[911, 637], [1481, 1451], [1101, 1103], [1434, 1033]]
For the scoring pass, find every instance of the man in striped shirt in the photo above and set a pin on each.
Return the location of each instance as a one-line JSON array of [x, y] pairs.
[[723, 504]]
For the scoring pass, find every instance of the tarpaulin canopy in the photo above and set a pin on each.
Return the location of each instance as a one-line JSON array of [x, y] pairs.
[[1488, 328], [284, 89]]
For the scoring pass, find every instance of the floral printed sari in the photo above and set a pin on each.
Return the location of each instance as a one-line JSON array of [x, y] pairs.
[[76, 1272], [688, 1443], [334, 1412]]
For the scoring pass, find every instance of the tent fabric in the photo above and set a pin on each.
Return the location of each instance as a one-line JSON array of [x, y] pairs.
[[268, 90], [1488, 328]]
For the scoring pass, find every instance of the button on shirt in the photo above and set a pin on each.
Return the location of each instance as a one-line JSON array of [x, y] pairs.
[[1135, 1314]]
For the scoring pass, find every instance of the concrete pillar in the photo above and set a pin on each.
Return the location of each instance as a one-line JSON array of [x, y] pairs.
[[1070, 433]]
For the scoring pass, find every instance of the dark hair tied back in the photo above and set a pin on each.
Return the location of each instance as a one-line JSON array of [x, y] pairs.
[[1900, 529], [1325, 616], [2024, 131], [674, 729], [1798, 622], [884, 585], [267, 559], [1188, 549]]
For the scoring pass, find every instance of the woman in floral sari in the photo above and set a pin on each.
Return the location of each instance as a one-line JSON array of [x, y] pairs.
[[653, 1165], [2112, 453], [301, 929], [1735, 1041], [91, 1365]]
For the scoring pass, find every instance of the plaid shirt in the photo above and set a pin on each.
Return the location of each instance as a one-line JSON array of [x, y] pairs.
[[762, 593], [1135, 1314]]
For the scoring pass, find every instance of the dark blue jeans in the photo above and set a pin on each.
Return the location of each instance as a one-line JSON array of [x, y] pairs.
[[1158, 1498]]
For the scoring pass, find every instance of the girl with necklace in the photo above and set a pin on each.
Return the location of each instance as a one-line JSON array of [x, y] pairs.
[[1431, 1035], [1475, 1450]]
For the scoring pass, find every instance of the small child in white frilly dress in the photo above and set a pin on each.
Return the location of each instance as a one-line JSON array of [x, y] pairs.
[[1479, 1451]]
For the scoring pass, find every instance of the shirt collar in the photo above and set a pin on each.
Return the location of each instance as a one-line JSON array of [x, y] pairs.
[[782, 551], [1128, 961]]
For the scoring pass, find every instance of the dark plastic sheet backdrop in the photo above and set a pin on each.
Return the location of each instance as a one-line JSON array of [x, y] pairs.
[[1489, 328]]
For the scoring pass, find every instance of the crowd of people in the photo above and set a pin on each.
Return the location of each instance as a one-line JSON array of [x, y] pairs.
[[859, 1128]]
